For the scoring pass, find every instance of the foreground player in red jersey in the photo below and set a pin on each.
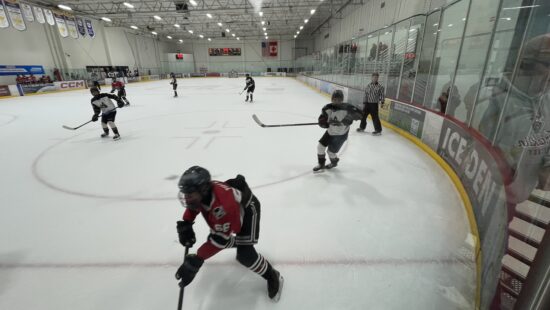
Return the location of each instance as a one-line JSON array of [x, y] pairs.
[[233, 214]]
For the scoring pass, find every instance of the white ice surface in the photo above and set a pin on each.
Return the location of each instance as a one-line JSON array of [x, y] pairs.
[[89, 223]]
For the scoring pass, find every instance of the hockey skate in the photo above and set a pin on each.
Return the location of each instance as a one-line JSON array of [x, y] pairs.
[[116, 137], [104, 135], [360, 130], [319, 168], [275, 286], [376, 133], [333, 163]]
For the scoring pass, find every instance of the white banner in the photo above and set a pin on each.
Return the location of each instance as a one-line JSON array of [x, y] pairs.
[[39, 14], [49, 17], [3, 18], [61, 24], [71, 25], [27, 12], [14, 12]]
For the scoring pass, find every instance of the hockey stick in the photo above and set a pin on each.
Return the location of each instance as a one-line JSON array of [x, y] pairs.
[[242, 92], [75, 128], [257, 120], [180, 300]]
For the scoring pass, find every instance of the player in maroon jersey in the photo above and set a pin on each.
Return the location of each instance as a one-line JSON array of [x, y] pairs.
[[233, 214], [118, 85]]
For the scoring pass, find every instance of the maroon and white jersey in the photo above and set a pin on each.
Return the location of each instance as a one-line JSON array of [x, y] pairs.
[[224, 215]]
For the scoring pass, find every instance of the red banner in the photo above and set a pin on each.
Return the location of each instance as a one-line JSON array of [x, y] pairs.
[[273, 48]]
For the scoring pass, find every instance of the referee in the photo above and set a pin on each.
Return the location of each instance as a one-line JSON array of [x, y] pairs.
[[374, 93]]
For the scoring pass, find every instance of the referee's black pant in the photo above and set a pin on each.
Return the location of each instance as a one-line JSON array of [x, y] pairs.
[[372, 109]]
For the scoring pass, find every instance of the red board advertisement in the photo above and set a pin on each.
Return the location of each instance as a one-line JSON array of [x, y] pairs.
[[4, 91]]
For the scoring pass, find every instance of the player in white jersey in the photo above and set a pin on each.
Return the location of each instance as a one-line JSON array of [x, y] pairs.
[[101, 102], [336, 116]]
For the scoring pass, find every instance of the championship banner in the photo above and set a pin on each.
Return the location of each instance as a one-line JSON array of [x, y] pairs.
[[39, 14], [14, 12], [49, 17], [61, 24], [90, 27], [71, 25], [273, 48], [18, 70], [3, 18], [27, 12], [80, 26]]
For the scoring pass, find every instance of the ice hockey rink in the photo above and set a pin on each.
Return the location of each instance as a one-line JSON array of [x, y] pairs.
[[90, 223]]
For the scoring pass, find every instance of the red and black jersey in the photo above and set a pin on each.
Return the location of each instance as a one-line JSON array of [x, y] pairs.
[[224, 216], [117, 85]]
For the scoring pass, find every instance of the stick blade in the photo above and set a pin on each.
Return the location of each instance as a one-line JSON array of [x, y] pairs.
[[69, 128], [257, 120]]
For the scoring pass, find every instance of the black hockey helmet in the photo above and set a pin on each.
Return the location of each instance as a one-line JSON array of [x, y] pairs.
[[195, 179], [338, 94], [247, 75], [94, 90]]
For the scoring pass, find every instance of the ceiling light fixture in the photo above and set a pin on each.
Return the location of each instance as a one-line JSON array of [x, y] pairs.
[[209, 39], [209, 15], [107, 19], [295, 36], [301, 27], [263, 23], [261, 13], [157, 17], [169, 37], [134, 27], [312, 11], [201, 36], [190, 31], [181, 41], [64, 7], [265, 33], [176, 25], [227, 30], [265, 29], [193, 2], [238, 39], [233, 34], [128, 5], [220, 24], [266, 37], [154, 33], [306, 20]]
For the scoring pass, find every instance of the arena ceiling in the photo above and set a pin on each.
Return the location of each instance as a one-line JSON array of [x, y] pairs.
[[187, 19]]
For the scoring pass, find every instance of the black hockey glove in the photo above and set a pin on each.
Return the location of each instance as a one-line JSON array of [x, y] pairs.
[[188, 270], [95, 117], [186, 233], [323, 121], [120, 103]]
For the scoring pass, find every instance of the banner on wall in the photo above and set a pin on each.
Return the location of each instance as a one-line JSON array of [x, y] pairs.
[[37, 88], [3, 18], [80, 26], [17, 70], [71, 26], [14, 12], [49, 17], [39, 14], [90, 27], [273, 48], [27, 12], [61, 26]]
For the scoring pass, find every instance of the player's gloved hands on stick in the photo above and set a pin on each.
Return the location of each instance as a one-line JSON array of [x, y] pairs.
[[95, 117], [188, 270], [120, 104], [186, 233]]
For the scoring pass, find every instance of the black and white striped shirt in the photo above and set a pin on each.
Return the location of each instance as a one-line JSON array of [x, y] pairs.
[[374, 93]]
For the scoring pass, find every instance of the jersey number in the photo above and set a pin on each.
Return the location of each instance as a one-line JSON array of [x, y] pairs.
[[223, 228]]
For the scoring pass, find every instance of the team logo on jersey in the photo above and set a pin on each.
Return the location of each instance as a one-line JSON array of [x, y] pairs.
[[218, 212]]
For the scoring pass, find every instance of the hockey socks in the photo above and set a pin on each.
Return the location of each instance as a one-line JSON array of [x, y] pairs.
[[321, 165], [105, 132]]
